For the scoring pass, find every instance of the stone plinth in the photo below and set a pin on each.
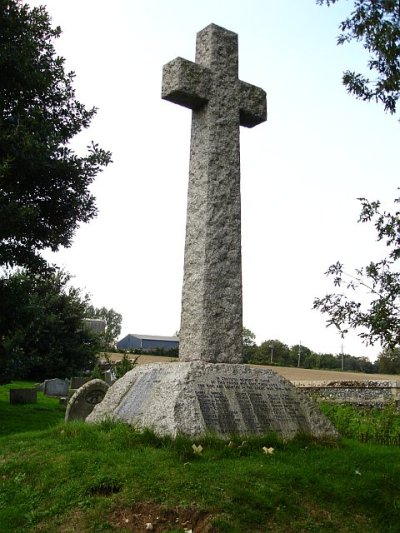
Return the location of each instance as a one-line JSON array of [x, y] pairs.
[[193, 398]]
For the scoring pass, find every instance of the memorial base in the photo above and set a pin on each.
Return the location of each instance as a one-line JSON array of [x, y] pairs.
[[194, 398]]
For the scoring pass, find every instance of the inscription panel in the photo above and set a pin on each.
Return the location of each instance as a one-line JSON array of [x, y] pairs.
[[143, 391], [231, 404]]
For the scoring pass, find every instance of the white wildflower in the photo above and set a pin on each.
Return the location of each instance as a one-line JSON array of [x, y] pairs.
[[268, 451], [197, 449]]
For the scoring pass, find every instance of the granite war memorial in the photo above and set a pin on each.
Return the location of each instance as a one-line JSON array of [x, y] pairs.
[[211, 323], [210, 389]]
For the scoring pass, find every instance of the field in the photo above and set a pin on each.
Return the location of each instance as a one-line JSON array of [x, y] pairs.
[[304, 374], [290, 373], [85, 478]]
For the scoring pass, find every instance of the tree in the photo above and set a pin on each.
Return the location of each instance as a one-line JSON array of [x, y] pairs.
[[329, 360], [358, 364], [379, 318], [44, 185], [272, 351], [376, 23], [42, 333], [248, 337], [388, 361], [249, 344], [113, 322], [305, 354]]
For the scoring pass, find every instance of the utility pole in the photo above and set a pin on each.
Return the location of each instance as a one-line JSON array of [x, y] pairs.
[[342, 358], [298, 359], [272, 353]]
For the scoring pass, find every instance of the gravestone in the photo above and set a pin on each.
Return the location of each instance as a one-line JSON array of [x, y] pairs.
[[109, 377], [209, 390], [78, 381], [56, 387], [82, 402], [18, 396]]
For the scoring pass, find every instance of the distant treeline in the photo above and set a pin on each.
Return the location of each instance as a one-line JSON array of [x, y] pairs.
[[275, 352]]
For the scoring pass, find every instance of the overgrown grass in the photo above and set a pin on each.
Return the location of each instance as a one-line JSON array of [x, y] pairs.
[[93, 478], [380, 426]]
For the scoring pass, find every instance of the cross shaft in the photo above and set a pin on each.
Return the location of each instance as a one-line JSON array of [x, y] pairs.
[[211, 320]]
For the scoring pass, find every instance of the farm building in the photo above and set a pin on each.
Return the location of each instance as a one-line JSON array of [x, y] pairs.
[[147, 342], [97, 325]]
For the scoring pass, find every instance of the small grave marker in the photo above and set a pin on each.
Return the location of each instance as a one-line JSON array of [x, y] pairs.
[[18, 396], [82, 403]]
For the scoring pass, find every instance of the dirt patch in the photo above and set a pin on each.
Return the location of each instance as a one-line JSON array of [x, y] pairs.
[[105, 489], [162, 519]]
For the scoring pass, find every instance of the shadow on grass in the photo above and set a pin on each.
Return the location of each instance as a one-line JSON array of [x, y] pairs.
[[45, 413]]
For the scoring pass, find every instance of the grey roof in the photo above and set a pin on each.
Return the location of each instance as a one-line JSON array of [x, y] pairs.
[[153, 337]]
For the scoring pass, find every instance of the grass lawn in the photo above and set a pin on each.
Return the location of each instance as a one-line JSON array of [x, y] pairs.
[[19, 418], [86, 478]]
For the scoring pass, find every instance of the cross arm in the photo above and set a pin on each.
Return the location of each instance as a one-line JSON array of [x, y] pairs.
[[185, 83], [253, 105]]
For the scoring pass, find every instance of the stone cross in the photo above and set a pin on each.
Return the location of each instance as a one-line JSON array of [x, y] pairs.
[[211, 321]]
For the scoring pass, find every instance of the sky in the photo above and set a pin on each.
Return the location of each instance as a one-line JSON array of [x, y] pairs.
[[301, 171]]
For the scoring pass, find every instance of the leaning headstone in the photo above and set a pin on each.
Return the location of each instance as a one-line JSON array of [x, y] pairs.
[[83, 401], [56, 387], [209, 390], [23, 396]]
